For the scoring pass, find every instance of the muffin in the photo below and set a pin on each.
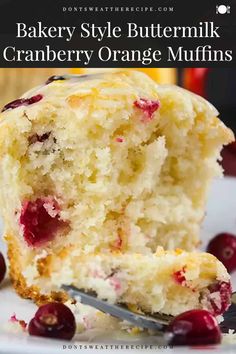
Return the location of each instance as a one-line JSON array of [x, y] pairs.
[[97, 171]]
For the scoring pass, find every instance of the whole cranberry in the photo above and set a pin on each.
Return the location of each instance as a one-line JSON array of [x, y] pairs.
[[53, 320], [232, 147], [194, 327], [3, 267], [223, 247]]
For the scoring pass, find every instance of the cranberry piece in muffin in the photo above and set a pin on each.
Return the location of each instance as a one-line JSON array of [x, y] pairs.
[[148, 107], [54, 78], [40, 220], [219, 297], [22, 102]]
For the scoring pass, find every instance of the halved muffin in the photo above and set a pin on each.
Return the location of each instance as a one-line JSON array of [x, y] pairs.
[[106, 167]]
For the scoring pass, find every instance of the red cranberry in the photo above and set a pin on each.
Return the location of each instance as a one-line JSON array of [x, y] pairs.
[[194, 327], [220, 297], [3, 267], [40, 220], [232, 147], [120, 139], [22, 102], [54, 78], [228, 161], [148, 107], [54, 320], [223, 247]]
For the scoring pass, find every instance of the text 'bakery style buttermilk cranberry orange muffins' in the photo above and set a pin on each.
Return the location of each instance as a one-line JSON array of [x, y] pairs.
[[98, 174]]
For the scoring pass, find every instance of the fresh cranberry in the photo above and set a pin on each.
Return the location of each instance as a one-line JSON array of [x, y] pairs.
[[54, 320], [40, 220], [232, 147], [22, 102], [54, 78], [194, 327], [220, 297], [3, 267], [148, 107], [228, 161], [223, 247]]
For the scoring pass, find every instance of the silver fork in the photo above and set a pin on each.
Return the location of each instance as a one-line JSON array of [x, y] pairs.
[[156, 322]]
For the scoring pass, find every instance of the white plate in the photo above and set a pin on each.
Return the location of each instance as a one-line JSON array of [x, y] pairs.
[[221, 216]]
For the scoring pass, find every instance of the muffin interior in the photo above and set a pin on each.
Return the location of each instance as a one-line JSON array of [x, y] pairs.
[[106, 164]]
